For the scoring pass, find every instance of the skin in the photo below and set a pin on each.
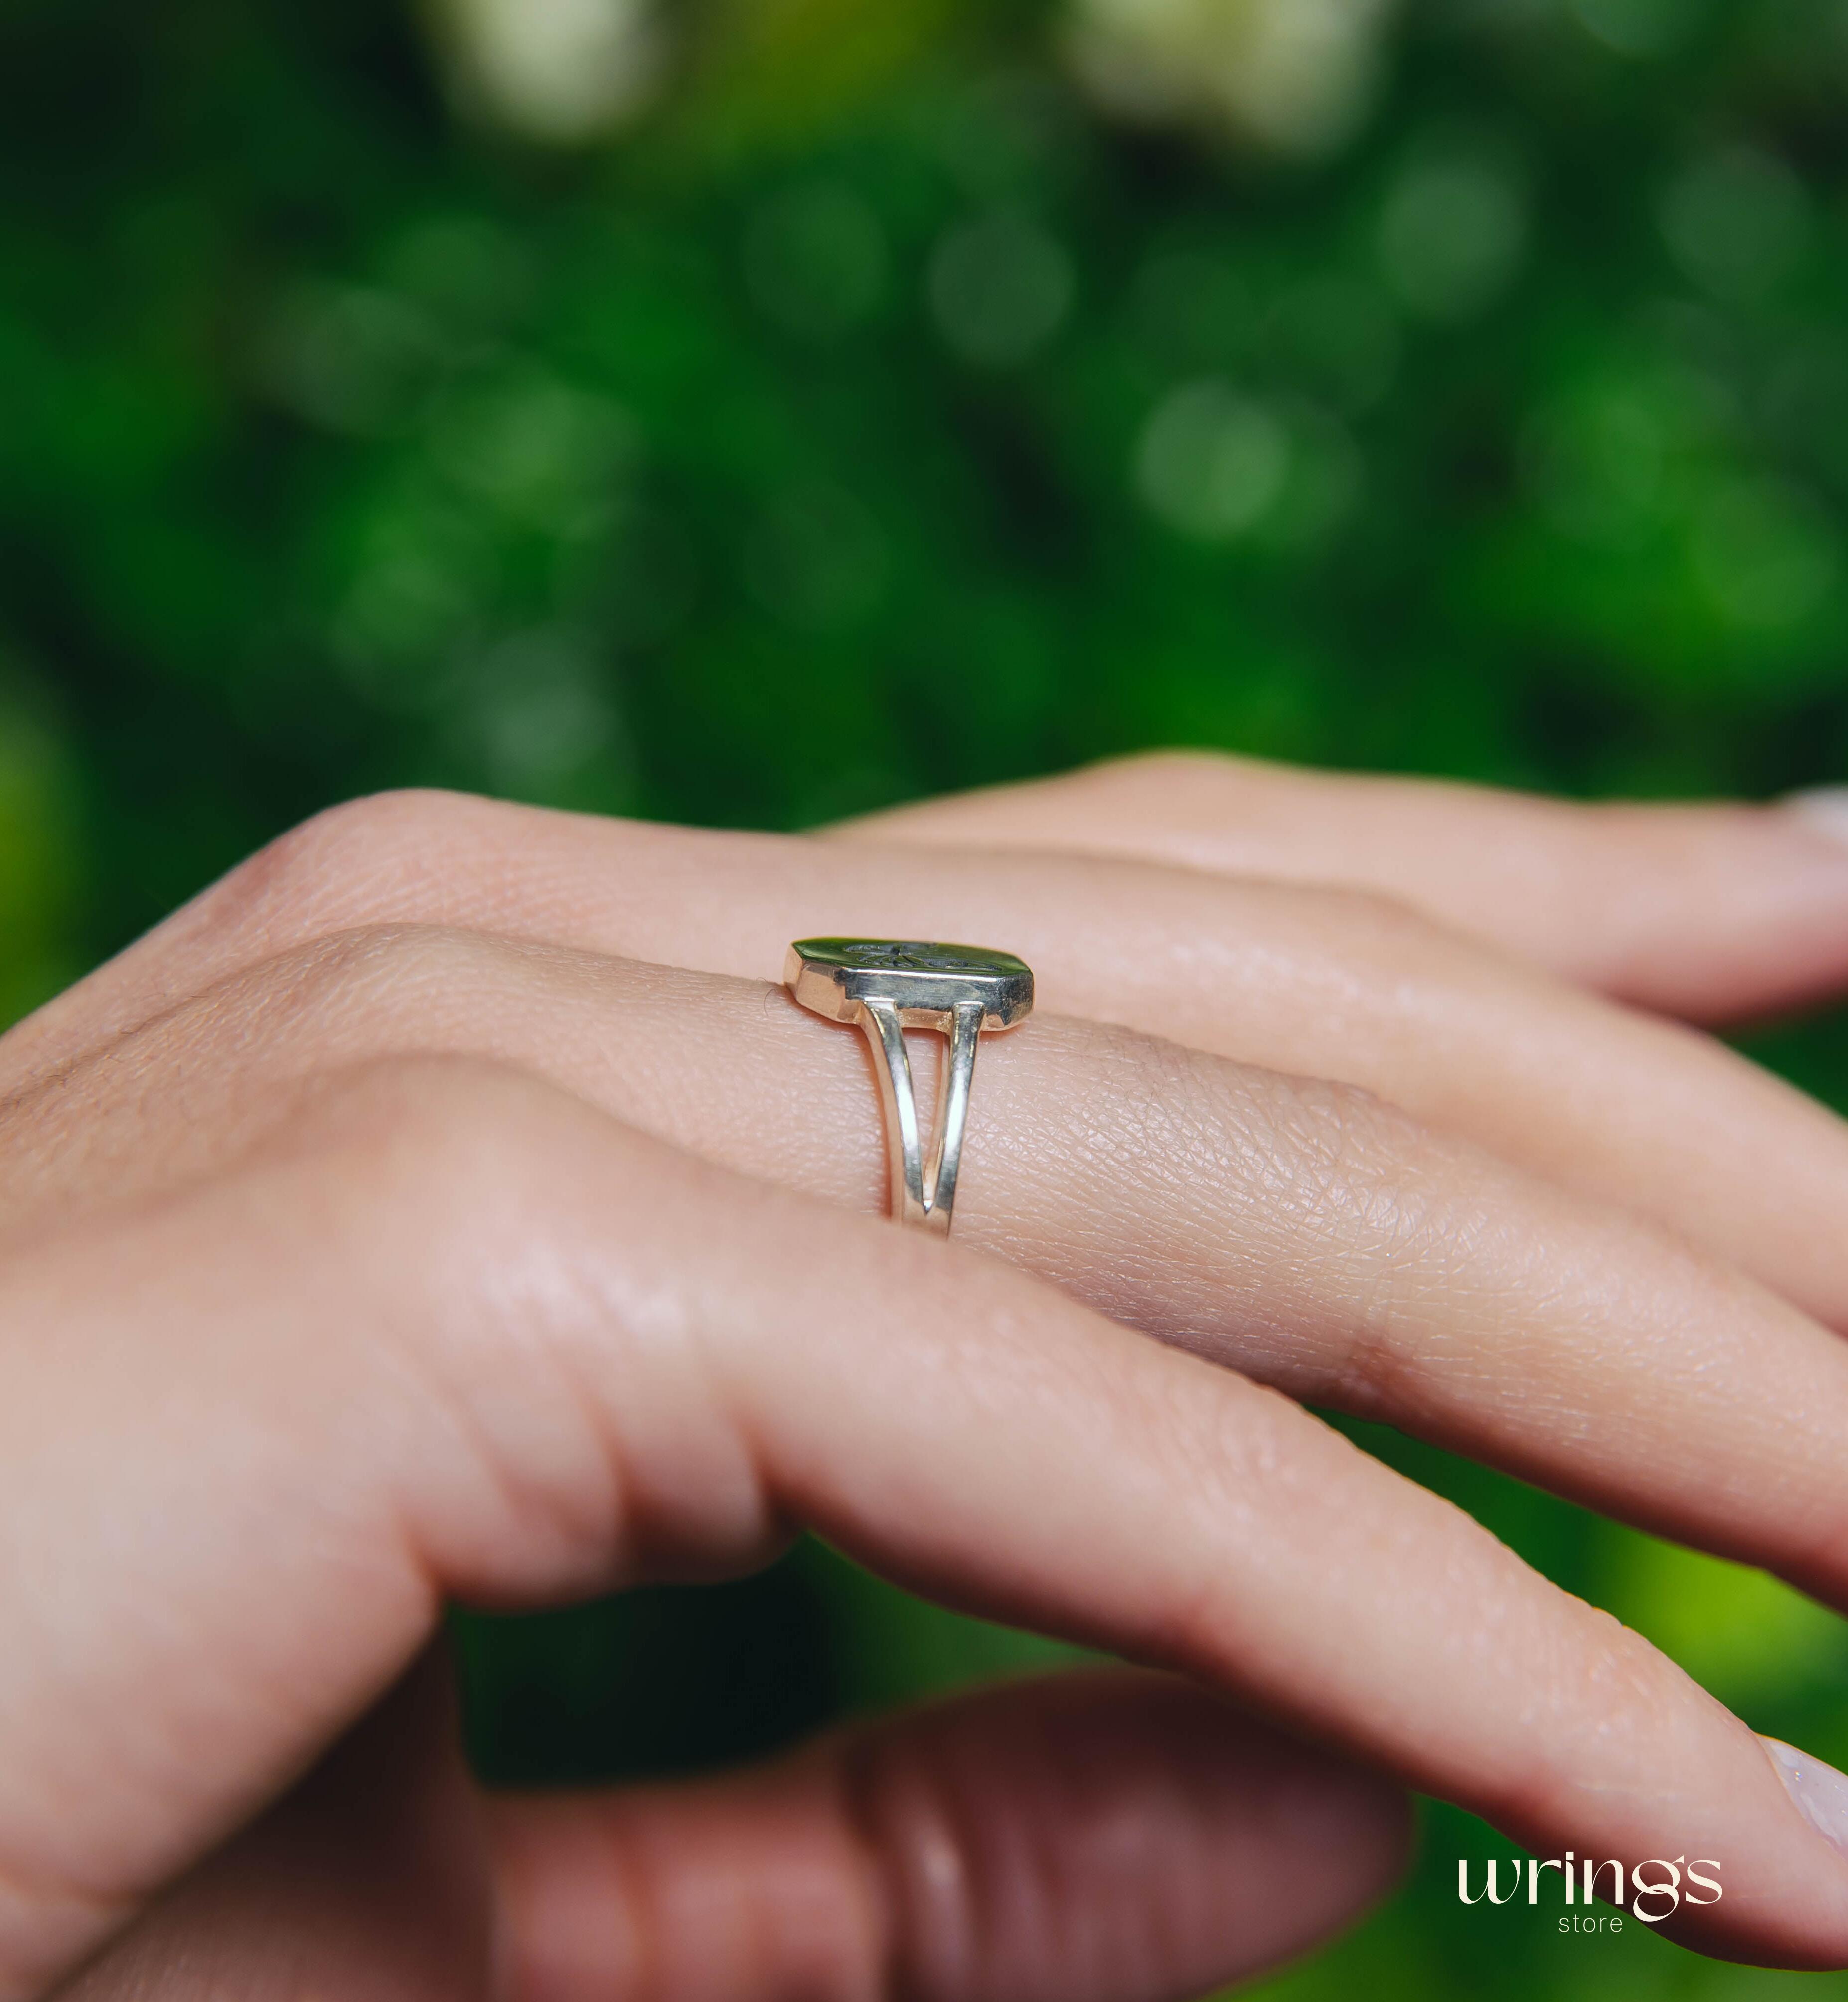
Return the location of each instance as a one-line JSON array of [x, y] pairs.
[[450, 1205]]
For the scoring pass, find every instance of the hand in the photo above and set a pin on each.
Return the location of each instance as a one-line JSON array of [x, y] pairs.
[[375, 1234]]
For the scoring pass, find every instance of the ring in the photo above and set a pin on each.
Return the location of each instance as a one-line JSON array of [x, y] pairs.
[[885, 986]]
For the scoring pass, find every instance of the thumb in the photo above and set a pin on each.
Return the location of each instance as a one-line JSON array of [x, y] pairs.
[[1109, 1837]]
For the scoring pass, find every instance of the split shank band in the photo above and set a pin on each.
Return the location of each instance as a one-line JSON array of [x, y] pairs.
[[885, 986]]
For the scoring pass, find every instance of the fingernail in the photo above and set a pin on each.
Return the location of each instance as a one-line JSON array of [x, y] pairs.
[[1825, 810], [1818, 1789]]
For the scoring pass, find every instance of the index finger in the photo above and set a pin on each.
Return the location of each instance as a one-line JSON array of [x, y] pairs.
[[455, 1332]]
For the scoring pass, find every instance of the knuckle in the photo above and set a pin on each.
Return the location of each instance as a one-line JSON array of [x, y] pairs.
[[996, 1828], [1350, 1156], [920, 1829], [1180, 761], [328, 870], [1312, 1151], [1347, 1169], [1158, 774], [342, 997], [429, 1143], [1607, 1683], [417, 1168], [1367, 916], [1347, 1205], [440, 1182], [531, 1256], [371, 965]]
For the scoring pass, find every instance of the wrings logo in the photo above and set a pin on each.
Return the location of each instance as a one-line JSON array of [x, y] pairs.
[[1653, 1896]]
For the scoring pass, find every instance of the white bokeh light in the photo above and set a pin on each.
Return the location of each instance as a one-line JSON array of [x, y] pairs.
[[560, 72], [1295, 75]]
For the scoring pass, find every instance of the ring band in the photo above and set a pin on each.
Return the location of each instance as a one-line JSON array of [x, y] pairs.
[[885, 986]]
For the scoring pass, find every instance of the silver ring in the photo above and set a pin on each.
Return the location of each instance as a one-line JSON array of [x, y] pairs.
[[885, 986]]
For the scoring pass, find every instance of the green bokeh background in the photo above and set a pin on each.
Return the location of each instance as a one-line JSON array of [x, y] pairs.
[[875, 416]]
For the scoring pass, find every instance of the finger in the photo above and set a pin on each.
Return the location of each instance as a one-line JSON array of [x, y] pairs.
[[462, 1335], [1711, 913], [1320, 984], [1310, 1238], [1100, 1838]]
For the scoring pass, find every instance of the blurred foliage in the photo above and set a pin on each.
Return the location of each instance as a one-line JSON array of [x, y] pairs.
[[877, 416]]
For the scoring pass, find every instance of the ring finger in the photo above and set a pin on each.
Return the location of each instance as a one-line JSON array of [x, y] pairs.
[[1304, 1234]]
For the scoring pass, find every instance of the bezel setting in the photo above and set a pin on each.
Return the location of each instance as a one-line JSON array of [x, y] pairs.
[[925, 982]]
